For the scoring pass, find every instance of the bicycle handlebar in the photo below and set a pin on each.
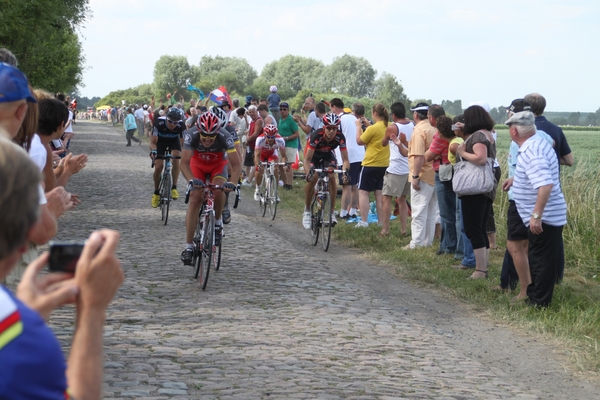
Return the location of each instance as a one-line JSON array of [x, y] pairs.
[[167, 156], [274, 163], [337, 171]]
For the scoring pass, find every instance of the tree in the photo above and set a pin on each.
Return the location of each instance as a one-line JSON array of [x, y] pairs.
[[292, 73], [42, 35], [350, 75], [233, 72], [387, 90], [452, 107], [171, 73], [574, 118]]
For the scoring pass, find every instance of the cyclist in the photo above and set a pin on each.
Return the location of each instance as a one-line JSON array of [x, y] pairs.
[[206, 152], [319, 154], [268, 146], [227, 130], [167, 133]]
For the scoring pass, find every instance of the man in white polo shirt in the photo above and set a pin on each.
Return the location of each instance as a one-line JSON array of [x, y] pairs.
[[540, 203]]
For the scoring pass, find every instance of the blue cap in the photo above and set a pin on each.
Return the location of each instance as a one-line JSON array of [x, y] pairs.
[[13, 85], [248, 98]]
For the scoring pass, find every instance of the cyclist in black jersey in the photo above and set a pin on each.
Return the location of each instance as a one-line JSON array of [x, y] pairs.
[[319, 154], [166, 134]]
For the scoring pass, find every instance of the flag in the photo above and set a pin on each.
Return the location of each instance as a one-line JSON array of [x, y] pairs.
[[201, 95], [220, 94]]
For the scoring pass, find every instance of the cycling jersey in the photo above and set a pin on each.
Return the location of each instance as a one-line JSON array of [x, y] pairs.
[[208, 160], [270, 150], [230, 130], [161, 130], [318, 143]]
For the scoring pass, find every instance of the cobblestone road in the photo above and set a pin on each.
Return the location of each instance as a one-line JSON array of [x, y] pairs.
[[273, 322]]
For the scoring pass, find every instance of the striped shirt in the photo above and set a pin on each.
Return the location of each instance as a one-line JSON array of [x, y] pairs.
[[537, 166]]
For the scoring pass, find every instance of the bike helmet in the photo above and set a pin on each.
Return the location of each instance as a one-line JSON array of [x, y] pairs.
[[174, 114], [221, 114], [208, 124], [330, 119], [270, 130], [273, 89]]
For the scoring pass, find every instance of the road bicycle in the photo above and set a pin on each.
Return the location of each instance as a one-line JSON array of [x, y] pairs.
[[269, 188], [321, 209], [166, 184], [205, 252]]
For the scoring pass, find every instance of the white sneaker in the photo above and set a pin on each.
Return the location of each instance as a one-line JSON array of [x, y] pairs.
[[256, 194], [278, 199], [280, 183], [306, 220], [333, 220], [361, 224]]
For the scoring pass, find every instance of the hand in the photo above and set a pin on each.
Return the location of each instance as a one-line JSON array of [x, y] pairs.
[[345, 177], [98, 273], [153, 154], [287, 167], [259, 167], [56, 156], [76, 163], [403, 139], [415, 184], [47, 292], [59, 201], [197, 183], [75, 200], [535, 226], [460, 149], [228, 187], [506, 185]]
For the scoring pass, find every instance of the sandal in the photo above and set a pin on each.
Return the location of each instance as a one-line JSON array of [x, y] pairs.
[[485, 275]]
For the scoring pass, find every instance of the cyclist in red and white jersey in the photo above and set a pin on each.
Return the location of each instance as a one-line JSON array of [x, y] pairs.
[[206, 153], [269, 145]]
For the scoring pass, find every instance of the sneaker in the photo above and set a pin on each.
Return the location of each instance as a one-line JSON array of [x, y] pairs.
[[333, 220], [306, 220], [218, 234], [174, 194], [187, 256], [246, 183], [226, 216], [361, 224], [155, 200], [281, 183], [257, 195], [278, 199]]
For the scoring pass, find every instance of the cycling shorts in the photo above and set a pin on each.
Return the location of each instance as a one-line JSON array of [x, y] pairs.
[[324, 160], [162, 144], [269, 158]]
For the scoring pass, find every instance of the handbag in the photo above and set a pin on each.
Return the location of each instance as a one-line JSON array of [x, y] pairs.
[[470, 179], [445, 172]]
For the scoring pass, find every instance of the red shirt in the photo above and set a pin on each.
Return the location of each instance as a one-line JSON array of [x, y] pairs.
[[439, 146]]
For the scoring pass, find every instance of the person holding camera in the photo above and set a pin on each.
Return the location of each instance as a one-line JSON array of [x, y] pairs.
[[31, 360]]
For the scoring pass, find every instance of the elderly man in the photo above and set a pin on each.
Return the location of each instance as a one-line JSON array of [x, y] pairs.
[[561, 148], [540, 204], [422, 193], [140, 119], [31, 360]]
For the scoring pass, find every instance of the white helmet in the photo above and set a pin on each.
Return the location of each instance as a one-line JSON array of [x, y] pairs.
[[273, 89], [221, 114]]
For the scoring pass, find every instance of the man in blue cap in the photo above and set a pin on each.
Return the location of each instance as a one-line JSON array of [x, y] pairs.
[[14, 96]]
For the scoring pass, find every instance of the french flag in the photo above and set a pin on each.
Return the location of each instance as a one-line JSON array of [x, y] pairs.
[[220, 94]]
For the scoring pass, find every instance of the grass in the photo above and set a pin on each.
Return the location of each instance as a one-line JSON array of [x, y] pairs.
[[573, 319]]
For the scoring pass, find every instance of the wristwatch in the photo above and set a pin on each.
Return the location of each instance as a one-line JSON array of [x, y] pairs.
[[536, 216], [415, 176]]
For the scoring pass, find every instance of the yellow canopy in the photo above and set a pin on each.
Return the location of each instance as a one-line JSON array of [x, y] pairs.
[[102, 107]]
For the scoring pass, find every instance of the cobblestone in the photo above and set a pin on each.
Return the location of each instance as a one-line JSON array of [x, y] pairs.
[[273, 322]]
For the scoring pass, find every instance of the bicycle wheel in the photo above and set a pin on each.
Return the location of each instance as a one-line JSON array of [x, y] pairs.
[[198, 243], [208, 241], [327, 211], [315, 217], [166, 197], [265, 194], [217, 257], [273, 197]]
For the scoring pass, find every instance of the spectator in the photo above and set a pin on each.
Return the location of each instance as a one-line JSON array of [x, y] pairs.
[[140, 119], [288, 129], [263, 111], [478, 147], [540, 203], [561, 148], [273, 100], [422, 193], [130, 127], [395, 181], [375, 163], [30, 356], [6, 56], [254, 131]]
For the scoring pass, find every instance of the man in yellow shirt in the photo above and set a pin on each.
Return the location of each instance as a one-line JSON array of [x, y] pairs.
[[422, 193]]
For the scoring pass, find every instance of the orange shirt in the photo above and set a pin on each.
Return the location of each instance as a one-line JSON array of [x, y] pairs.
[[420, 140]]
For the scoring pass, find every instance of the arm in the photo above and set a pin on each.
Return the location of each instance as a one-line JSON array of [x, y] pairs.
[[236, 169], [153, 141], [45, 228], [480, 156], [293, 136], [257, 129], [49, 178], [359, 132], [390, 131], [302, 123], [567, 160], [257, 151], [345, 161], [186, 157], [535, 225], [98, 276]]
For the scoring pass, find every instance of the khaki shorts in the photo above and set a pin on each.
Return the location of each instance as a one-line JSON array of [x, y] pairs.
[[395, 185], [290, 153]]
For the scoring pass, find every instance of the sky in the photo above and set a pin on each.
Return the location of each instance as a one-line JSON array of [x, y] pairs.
[[438, 49]]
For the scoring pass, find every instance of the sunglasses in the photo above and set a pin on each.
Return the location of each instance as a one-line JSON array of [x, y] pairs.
[[206, 136], [172, 122], [331, 128], [270, 137]]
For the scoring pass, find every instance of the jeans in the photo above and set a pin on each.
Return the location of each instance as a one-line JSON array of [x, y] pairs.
[[469, 256], [423, 204], [129, 136], [140, 127], [447, 203]]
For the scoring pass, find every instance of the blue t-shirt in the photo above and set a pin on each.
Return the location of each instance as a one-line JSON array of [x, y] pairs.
[[32, 365], [274, 101], [561, 147]]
